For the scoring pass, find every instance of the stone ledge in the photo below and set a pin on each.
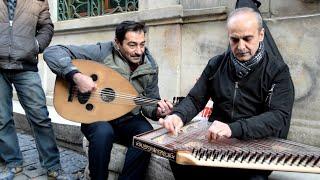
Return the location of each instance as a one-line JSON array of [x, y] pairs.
[[206, 14]]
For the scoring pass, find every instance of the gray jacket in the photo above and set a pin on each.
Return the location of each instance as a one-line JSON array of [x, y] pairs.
[[144, 78], [29, 34]]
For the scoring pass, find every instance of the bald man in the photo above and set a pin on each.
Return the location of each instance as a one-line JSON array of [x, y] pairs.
[[251, 89]]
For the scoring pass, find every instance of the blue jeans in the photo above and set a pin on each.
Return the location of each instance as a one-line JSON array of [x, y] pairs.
[[32, 99], [101, 136]]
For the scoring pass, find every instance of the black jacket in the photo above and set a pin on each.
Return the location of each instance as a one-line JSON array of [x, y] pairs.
[[257, 106]]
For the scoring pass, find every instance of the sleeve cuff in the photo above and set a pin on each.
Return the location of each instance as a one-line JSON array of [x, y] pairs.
[[236, 129], [69, 75], [181, 116], [154, 115]]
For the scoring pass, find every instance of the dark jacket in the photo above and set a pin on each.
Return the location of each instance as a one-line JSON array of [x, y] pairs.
[[144, 78], [30, 33], [257, 106]]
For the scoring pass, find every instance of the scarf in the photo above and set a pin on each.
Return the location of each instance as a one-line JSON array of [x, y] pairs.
[[11, 7], [244, 68]]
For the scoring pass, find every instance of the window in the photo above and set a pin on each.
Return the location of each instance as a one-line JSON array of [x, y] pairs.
[[71, 9]]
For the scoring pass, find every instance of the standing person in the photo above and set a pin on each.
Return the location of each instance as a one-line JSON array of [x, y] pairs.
[[127, 55], [25, 31], [251, 88]]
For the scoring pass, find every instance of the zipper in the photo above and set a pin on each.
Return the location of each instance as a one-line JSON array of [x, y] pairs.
[[270, 94], [11, 34], [236, 87]]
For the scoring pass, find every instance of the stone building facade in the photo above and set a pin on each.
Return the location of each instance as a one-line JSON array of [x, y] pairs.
[[184, 34]]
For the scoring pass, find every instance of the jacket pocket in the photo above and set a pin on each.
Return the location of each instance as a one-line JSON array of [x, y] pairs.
[[25, 49]]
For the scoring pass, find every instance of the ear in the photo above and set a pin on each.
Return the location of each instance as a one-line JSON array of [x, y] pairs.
[[261, 35], [117, 43]]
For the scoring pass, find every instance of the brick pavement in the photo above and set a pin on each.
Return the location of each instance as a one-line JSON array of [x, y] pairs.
[[71, 161]]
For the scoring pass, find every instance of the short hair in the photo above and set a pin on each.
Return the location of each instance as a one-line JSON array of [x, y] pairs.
[[246, 10], [127, 26]]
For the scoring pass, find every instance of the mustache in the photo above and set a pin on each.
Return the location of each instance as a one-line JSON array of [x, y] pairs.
[[137, 55], [240, 52]]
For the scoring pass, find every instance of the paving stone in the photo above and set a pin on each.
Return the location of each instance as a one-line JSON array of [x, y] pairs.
[[71, 161], [21, 177], [39, 171], [26, 148]]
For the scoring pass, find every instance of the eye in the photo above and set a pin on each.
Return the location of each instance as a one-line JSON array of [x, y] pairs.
[[132, 45], [234, 40], [247, 39]]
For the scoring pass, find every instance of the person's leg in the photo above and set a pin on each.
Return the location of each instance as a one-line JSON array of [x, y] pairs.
[[32, 99], [181, 172], [252, 174], [10, 150], [100, 136], [9, 147], [136, 161]]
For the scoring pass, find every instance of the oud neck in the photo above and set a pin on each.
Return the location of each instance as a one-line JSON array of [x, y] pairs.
[[144, 101]]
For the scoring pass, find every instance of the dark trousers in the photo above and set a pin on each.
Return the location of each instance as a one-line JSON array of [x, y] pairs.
[[182, 172], [102, 135]]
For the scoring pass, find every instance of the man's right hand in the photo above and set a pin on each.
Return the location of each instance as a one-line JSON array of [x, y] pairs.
[[172, 123], [84, 83]]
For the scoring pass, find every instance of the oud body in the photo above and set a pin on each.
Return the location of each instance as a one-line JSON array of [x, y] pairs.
[[114, 96]]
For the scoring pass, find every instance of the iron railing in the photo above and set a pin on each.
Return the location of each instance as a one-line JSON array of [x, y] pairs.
[[71, 9]]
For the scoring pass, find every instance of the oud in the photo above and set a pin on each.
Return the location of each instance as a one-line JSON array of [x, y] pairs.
[[114, 96]]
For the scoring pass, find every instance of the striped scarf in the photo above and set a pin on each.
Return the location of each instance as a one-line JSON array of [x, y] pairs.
[[11, 7], [244, 68]]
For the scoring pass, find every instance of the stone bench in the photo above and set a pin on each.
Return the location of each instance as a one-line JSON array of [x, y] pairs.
[[159, 168]]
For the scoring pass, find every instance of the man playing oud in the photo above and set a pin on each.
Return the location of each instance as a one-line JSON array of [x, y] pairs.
[[128, 56]]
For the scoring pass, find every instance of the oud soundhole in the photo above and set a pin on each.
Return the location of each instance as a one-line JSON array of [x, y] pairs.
[[94, 77], [83, 97], [89, 106], [107, 94]]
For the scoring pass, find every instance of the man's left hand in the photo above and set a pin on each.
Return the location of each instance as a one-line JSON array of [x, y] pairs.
[[164, 108], [217, 130]]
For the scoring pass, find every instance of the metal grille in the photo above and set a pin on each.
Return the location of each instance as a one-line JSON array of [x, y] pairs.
[[71, 9]]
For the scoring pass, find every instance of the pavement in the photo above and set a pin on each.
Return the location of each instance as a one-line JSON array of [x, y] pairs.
[[72, 162]]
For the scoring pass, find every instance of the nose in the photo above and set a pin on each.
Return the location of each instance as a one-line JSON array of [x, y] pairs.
[[139, 50], [241, 45]]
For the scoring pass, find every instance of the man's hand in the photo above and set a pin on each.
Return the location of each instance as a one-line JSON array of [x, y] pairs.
[[84, 83], [164, 108], [217, 130], [172, 123]]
